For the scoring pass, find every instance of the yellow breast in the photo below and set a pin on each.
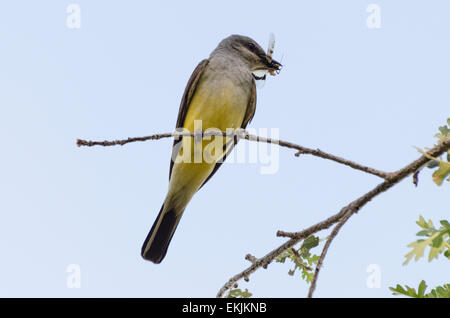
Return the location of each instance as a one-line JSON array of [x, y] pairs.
[[213, 106]]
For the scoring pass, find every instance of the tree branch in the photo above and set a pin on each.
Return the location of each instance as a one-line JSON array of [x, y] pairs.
[[344, 214], [325, 250], [81, 142], [242, 134], [341, 217]]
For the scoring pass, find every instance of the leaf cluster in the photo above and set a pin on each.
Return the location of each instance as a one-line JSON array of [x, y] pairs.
[[302, 258], [438, 292], [443, 166], [437, 239], [439, 242]]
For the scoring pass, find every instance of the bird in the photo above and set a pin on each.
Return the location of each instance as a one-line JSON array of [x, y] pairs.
[[220, 94]]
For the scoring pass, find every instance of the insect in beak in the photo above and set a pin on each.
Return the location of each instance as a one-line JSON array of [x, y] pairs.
[[271, 66], [274, 66]]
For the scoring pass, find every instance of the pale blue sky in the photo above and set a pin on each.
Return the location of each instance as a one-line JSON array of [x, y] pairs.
[[369, 95]]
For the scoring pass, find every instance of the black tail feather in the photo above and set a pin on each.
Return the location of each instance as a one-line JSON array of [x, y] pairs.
[[154, 249]]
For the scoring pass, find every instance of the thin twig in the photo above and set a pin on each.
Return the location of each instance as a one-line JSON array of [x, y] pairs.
[[250, 258], [81, 142], [349, 210], [298, 255], [321, 154], [285, 234], [243, 135], [325, 250]]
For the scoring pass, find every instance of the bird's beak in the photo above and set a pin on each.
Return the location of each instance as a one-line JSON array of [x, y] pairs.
[[273, 67]]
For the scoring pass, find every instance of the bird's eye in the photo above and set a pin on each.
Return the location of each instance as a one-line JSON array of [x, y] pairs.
[[251, 46]]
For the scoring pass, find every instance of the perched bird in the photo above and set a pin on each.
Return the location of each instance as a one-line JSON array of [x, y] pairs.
[[220, 93]]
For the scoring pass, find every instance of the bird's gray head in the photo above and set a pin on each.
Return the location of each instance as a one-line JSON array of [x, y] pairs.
[[250, 52]]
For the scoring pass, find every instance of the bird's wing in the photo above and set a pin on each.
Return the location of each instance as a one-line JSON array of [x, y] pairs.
[[185, 102], [251, 107], [249, 113]]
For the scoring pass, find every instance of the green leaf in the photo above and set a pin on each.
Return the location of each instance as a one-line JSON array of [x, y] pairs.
[[442, 172], [302, 258], [422, 223], [423, 233], [399, 290], [444, 130], [307, 276], [421, 288], [310, 242], [445, 224], [438, 292], [442, 292], [237, 293], [443, 167], [435, 239], [447, 254], [418, 248]]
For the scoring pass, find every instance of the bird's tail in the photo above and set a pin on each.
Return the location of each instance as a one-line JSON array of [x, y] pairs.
[[155, 245]]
